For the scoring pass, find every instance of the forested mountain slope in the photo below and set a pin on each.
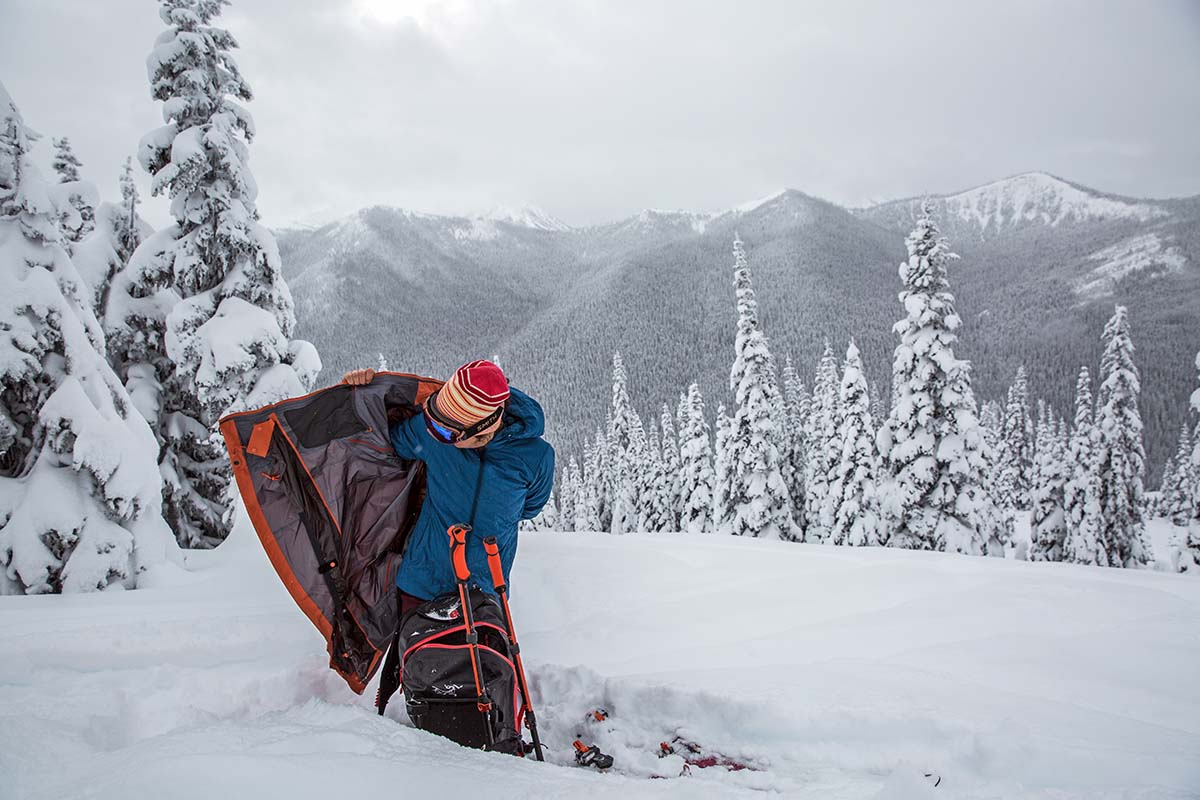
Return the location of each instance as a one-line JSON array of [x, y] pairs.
[[1043, 262]]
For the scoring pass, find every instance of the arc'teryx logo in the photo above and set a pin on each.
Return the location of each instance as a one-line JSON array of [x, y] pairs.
[[448, 689]]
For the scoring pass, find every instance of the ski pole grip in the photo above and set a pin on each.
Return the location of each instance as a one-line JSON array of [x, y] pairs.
[[493, 555], [458, 551]]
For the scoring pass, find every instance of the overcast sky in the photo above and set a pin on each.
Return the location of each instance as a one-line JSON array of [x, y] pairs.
[[593, 110]]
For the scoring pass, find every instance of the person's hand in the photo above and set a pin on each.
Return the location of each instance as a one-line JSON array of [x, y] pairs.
[[359, 377]]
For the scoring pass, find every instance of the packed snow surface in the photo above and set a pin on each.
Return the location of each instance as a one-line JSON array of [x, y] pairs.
[[836, 672]]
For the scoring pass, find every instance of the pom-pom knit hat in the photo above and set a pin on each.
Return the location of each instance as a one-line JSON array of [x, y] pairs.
[[474, 392]]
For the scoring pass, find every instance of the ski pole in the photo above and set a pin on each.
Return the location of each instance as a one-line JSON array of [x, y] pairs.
[[493, 555], [462, 573]]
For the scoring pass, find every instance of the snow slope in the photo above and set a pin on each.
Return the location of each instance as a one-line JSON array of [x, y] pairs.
[[841, 673]]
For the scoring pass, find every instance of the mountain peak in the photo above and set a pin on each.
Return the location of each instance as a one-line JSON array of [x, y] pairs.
[[746, 208], [1039, 197], [527, 215]]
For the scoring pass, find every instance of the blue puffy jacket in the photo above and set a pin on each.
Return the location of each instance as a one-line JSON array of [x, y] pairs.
[[514, 474]]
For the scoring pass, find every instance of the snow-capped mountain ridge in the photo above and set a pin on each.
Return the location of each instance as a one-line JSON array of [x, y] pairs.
[[1005, 204], [527, 215], [1037, 198]]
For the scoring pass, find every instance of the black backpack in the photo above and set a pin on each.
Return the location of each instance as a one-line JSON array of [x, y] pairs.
[[438, 681]]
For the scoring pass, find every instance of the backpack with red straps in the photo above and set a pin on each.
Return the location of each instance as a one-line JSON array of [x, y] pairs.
[[437, 676]]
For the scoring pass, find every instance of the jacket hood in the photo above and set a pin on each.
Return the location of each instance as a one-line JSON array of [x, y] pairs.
[[523, 419]]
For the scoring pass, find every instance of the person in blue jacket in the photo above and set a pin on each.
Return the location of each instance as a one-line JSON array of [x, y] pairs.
[[486, 465]]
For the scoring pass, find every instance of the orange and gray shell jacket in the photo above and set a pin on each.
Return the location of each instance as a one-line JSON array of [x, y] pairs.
[[335, 505]]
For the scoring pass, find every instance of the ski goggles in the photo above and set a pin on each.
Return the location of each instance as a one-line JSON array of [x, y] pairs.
[[446, 431]]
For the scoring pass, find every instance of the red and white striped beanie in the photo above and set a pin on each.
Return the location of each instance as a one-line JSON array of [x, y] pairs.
[[473, 392]]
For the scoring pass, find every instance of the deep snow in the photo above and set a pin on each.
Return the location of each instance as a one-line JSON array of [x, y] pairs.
[[844, 672]]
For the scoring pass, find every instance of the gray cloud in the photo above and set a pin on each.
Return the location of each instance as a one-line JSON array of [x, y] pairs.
[[593, 110]]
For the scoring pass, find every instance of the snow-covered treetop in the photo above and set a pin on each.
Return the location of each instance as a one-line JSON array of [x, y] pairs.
[[1083, 399], [1120, 373], [29, 202], [65, 163], [928, 255], [193, 73]]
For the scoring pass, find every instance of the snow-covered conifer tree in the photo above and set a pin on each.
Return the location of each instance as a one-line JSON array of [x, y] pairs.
[[568, 491], [597, 482], [65, 163], [75, 198], [654, 511], [1017, 448], [797, 404], [1081, 500], [758, 495], [626, 452], [1187, 545], [227, 337], [671, 468], [821, 450], [1178, 480], [80, 503], [851, 511], [1048, 529], [992, 424], [1120, 459], [105, 251], [581, 520], [587, 517], [130, 229], [696, 477], [933, 451], [722, 511]]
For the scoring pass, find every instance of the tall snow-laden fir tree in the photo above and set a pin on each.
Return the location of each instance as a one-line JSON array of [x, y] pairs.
[[227, 336], [1178, 479], [797, 404], [80, 504], [1187, 546], [1048, 528], [723, 473], [821, 453], [697, 480], [626, 453], [596, 508], [654, 507], [1081, 500], [671, 469], [1120, 459], [933, 451], [758, 496], [1017, 448], [130, 230], [851, 512]]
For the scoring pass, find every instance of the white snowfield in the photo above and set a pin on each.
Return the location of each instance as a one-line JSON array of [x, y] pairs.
[[838, 672]]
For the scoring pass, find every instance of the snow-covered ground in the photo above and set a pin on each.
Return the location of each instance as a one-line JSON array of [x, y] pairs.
[[840, 672]]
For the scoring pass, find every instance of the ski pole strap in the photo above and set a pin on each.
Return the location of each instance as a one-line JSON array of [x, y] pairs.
[[458, 551], [493, 555]]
